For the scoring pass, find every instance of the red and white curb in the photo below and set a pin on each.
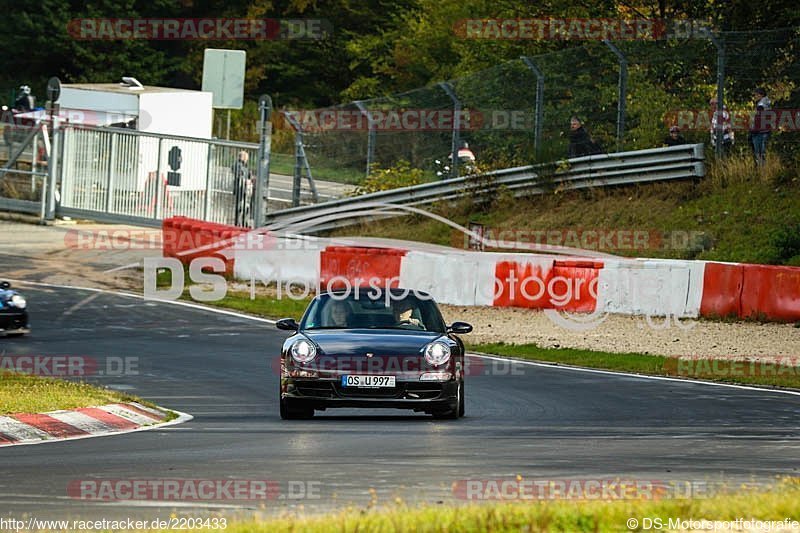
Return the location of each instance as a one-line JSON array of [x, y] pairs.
[[111, 419]]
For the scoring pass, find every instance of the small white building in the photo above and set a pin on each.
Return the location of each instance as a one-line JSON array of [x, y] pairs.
[[160, 111], [155, 109]]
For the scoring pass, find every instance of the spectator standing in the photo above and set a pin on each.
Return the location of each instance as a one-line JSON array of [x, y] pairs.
[[242, 185], [580, 142], [728, 137], [760, 128], [465, 155], [24, 102]]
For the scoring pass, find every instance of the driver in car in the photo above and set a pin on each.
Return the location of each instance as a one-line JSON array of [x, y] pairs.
[[403, 314]]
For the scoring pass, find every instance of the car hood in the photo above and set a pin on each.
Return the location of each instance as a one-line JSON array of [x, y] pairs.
[[359, 342]]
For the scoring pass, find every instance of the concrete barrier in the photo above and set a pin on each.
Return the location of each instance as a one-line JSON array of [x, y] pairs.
[[656, 287]]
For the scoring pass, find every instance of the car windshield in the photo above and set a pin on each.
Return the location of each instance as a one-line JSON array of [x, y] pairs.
[[372, 309]]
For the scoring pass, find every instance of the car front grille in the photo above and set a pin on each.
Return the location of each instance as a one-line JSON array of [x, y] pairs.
[[317, 389]]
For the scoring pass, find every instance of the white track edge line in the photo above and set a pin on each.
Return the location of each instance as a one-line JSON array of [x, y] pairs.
[[556, 366], [141, 297]]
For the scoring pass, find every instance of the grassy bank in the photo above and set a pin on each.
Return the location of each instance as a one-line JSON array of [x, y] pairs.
[[264, 301], [22, 393], [777, 503], [735, 213], [779, 374], [264, 305], [321, 169]]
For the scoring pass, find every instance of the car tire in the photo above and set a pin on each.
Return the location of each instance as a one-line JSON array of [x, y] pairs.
[[457, 410], [290, 412], [461, 403]]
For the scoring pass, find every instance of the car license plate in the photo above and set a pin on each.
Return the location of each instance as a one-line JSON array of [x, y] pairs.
[[370, 382]]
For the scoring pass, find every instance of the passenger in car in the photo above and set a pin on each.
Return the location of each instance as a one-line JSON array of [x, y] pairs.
[[340, 314]]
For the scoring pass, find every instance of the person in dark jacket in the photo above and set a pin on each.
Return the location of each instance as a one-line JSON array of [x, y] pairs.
[[24, 103], [674, 138], [242, 186], [580, 142], [761, 126]]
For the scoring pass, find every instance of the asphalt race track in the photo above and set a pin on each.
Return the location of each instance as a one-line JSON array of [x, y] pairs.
[[537, 422]]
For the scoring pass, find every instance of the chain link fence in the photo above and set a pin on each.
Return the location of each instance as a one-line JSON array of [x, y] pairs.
[[628, 94]]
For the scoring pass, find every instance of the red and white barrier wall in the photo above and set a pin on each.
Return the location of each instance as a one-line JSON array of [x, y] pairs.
[[656, 287]]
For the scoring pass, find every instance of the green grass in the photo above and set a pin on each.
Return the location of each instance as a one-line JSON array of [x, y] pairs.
[[733, 214], [264, 306], [776, 503], [320, 169], [778, 375], [22, 393], [262, 303]]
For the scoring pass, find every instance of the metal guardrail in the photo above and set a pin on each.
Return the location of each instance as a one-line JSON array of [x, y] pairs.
[[623, 168]]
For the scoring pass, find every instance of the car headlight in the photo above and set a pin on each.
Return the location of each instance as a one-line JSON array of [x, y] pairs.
[[437, 353], [303, 351], [18, 301]]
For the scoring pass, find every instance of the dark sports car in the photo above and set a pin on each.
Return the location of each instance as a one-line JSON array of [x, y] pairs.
[[13, 312], [372, 348]]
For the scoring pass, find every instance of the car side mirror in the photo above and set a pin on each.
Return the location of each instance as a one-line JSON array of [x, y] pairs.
[[459, 327], [289, 324]]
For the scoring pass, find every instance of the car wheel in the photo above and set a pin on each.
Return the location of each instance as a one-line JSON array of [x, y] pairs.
[[290, 412], [457, 410], [461, 406]]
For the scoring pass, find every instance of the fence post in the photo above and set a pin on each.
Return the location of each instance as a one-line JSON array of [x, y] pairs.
[[456, 143], [370, 135], [159, 184], [622, 91], [298, 166], [210, 159], [52, 171], [720, 112], [539, 105], [300, 162], [264, 152], [112, 155]]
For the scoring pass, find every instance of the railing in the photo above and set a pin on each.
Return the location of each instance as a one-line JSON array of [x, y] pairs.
[[121, 175], [23, 167], [641, 166]]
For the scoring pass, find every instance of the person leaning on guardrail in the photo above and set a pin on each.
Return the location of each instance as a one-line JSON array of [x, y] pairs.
[[674, 138], [580, 142]]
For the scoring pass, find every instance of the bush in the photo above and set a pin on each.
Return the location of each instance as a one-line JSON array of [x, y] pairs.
[[786, 243], [385, 179]]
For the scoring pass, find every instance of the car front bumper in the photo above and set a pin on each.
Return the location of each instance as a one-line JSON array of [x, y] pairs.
[[14, 323], [328, 393]]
